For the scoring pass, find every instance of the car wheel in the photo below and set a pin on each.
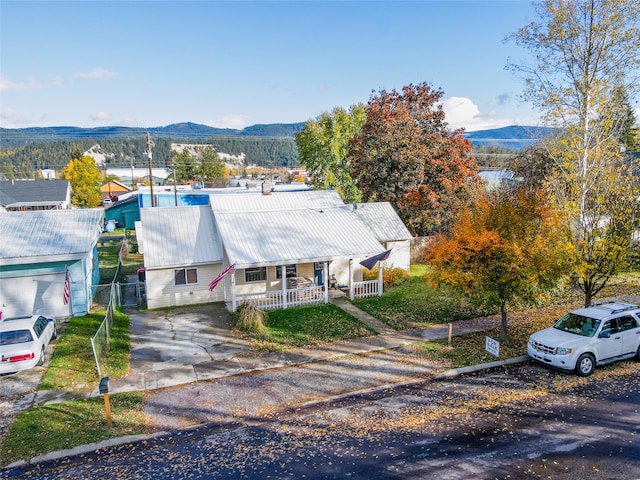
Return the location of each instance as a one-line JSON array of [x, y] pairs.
[[638, 355], [585, 365], [55, 333], [41, 360]]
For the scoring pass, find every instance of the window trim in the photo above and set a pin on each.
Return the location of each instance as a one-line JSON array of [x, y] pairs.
[[186, 272], [260, 274], [291, 271]]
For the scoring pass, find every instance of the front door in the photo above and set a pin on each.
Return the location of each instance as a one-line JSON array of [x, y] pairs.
[[318, 273]]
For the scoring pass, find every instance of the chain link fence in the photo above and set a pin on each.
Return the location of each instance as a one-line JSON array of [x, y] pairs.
[[100, 341]]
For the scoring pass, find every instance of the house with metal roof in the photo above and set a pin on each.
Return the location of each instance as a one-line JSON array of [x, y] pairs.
[[49, 261], [281, 249], [34, 195]]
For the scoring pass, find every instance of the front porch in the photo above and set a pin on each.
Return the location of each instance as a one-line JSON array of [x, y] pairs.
[[313, 295]]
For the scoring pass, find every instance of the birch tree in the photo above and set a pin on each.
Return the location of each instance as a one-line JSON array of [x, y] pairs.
[[584, 53]]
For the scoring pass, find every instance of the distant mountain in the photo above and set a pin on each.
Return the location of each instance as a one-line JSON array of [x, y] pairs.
[[18, 137], [514, 137]]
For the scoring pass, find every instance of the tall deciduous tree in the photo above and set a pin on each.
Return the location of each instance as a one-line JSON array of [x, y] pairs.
[[509, 245], [586, 52], [405, 154], [84, 178], [322, 148]]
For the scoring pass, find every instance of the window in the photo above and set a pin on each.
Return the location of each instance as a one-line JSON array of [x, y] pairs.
[[611, 327], [627, 323], [292, 271], [39, 326], [256, 274], [186, 276]]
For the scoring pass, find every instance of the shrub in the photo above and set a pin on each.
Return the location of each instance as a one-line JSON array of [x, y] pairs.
[[391, 277], [249, 318]]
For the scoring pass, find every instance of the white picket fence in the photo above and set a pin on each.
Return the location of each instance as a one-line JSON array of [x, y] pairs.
[[273, 300]]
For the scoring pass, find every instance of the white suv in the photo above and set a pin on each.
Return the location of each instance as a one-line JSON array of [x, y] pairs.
[[587, 337]]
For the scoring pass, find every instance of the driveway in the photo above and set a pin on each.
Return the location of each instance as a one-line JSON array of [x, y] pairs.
[[169, 344]]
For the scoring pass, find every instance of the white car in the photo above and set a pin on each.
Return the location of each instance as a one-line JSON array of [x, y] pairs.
[[23, 342], [588, 337]]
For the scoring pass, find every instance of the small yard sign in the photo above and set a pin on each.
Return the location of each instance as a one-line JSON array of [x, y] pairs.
[[493, 346]]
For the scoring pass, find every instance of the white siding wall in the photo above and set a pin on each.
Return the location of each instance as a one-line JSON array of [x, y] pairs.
[[162, 291], [400, 256], [340, 268]]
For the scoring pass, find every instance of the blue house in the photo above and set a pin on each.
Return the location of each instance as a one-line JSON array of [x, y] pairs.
[[41, 254]]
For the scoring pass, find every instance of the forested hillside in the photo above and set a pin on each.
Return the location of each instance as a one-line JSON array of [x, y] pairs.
[[25, 151], [24, 162]]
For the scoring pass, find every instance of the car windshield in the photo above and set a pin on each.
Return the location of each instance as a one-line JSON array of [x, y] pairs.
[[578, 324], [15, 336]]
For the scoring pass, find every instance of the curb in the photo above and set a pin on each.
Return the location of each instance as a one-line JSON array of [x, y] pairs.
[[114, 442]]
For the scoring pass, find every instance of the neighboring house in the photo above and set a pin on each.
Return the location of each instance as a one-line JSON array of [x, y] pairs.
[[389, 229], [306, 237], [133, 175], [125, 211], [113, 190], [37, 248], [182, 255], [21, 195]]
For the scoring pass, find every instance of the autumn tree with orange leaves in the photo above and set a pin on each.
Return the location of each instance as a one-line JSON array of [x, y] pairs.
[[405, 154], [509, 245]]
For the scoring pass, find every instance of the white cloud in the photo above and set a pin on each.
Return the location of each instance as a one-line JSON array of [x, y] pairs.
[[7, 114], [101, 117], [6, 84], [461, 112], [96, 74], [129, 122], [56, 80], [229, 121]]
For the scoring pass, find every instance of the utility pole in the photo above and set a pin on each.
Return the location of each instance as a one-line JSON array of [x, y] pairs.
[[149, 157]]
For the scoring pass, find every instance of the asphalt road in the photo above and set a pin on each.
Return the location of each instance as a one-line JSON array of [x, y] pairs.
[[515, 422]]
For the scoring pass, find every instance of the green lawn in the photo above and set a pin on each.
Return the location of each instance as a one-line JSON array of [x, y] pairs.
[[414, 304], [73, 366], [305, 326], [108, 260]]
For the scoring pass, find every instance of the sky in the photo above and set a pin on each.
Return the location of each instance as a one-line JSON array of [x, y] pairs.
[[239, 63]]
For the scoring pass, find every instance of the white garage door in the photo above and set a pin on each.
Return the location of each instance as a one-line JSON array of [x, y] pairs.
[[36, 294]]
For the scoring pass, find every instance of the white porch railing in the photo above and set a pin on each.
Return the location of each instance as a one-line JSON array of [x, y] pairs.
[[369, 288], [272, 300]]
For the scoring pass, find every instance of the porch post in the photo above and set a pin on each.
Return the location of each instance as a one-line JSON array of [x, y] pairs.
[[233, 291], [351, 295], [325, 277], [380, 279], [283, 277]]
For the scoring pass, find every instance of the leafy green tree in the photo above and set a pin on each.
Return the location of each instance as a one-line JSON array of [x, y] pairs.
[[183, 166], [586, 53], [212, 169], [510, 245], [84, 178], [406, 155], [322, 148]]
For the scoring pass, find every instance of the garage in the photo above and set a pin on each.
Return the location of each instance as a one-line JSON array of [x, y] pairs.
[[34, 294], [37, 248]]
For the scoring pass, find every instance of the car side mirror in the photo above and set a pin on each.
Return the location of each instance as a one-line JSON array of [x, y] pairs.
[[605, 335]]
